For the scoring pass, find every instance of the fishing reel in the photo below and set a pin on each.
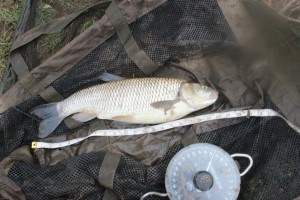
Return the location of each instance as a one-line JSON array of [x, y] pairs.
[[203, 171]]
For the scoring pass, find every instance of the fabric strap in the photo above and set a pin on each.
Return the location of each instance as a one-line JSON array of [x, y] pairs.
[[189, 138], [108, 169], [16, 59], [240, 23], [21, 69], [9, 76], [18, 63], [109, 195], [51, 27], [51, 95], [137, 55]]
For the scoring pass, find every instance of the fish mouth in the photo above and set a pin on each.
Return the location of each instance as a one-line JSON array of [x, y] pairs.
[[212, 98], [214, 95], [210, 102]]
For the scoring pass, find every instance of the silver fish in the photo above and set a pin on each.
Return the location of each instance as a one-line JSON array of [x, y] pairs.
[[136, 101]]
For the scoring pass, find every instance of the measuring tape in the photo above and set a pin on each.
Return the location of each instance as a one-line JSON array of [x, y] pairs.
[[168, 125]]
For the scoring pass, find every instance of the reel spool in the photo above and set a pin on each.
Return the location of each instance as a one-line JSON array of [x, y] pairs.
[[203, 171]]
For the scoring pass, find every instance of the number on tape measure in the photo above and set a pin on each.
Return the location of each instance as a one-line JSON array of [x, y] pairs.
[[168, 125]]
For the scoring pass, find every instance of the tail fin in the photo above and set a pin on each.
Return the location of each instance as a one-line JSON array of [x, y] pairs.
[[50, 117]]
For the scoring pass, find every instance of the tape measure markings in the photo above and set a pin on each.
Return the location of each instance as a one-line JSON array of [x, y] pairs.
[[169, 125]]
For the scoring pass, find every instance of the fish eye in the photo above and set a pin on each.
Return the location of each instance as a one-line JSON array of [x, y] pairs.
[[202, 90], [204, 87]]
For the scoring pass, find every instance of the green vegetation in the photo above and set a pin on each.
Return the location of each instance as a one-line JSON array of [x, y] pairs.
[[91, 19], [46, 11], [87, 24], [9, 16]]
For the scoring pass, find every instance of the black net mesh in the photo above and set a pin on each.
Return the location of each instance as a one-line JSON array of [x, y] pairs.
[[173, 30], [45, 11], [74, 178], [270, 141], [284, 43], [177, 29]]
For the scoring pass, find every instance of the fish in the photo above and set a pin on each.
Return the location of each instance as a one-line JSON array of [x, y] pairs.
[[135, 101]]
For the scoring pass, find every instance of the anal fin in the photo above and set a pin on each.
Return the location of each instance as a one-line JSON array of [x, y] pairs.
[[123, 118], [84, 117]]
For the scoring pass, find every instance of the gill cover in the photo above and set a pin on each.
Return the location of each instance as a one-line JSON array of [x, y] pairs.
[[197, 96]]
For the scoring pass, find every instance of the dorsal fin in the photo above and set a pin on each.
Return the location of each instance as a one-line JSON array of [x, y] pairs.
[[107, 77]]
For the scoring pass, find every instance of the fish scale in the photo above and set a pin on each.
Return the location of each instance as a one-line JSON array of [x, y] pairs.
[[137, 101], [132, 94]]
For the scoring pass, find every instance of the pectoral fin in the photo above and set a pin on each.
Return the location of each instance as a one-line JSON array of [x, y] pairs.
[[84, 117], [165, 105]]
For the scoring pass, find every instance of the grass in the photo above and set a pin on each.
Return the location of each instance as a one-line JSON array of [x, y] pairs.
[[9, 16], [87, 24], [44, 13], [47, 10], [10, 11]]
